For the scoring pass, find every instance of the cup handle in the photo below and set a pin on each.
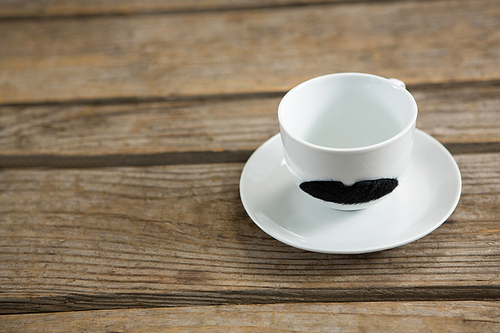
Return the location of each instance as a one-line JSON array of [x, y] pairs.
[[399, 83]]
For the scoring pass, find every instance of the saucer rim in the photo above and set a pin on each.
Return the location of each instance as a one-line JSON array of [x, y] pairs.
[[282, 237]]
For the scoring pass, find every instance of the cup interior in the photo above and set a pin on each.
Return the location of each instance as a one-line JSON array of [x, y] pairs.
[[347, 110]]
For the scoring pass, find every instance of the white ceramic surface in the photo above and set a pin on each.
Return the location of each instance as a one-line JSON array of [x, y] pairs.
[[426, 197], [347, 127]]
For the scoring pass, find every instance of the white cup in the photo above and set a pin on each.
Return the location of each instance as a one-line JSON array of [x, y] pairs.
[[348, 137]]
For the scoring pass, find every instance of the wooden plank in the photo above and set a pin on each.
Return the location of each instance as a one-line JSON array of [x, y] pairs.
[[178, 235], [209, 131], [254, 51], [460, 115], [210, 125], [51, 8], [302, 317]]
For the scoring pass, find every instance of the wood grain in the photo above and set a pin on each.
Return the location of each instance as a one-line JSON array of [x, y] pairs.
[[303, 317], [251, 51], [464, 118], [184, 126], [56, 8], [192, 87], [178, 235]]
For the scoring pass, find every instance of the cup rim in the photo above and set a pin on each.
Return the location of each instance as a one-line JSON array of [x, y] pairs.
[[409, 126]]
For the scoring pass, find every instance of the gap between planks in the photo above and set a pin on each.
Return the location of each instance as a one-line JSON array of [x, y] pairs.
[[175, 158], [124, 160], [85, 302], [139, 8]]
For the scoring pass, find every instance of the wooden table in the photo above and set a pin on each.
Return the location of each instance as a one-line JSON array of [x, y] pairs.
[[124, 128]]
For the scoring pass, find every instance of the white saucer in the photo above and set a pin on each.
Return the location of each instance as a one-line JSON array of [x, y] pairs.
[[425, 198]]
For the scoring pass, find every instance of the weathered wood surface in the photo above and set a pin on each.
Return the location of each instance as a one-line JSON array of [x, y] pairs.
[[181, 92], [178, 235], [55, 8], [241, 52], [365, 317], [464, 118]]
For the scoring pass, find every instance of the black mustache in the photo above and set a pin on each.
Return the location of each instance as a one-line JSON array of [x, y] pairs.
[[361, 192]]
